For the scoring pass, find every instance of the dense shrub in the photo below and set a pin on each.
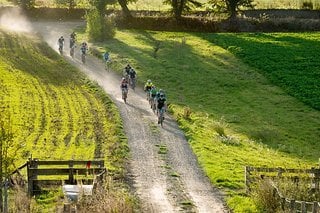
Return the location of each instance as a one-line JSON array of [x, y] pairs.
[[99, 28], [167, 23]]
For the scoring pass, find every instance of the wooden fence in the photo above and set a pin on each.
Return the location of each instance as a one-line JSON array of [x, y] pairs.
[[40, 172], [252, 174]]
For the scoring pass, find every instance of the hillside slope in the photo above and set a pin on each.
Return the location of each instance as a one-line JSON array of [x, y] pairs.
[[53, 111]]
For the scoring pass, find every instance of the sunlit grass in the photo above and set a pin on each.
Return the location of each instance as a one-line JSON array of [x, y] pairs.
[[54, 111], [236, 116]]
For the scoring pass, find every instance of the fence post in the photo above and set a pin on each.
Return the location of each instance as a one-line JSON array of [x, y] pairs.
[[283, 203], [292, 206], [315, 207], [71, 179], [303, 207], [32, 174]]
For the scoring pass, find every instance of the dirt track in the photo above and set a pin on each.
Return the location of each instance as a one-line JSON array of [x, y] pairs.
[[167, 182]]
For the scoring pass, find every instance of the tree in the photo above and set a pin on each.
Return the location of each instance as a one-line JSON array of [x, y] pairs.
[[124, 7], [25, 4], [99, 27], [180, 6], [69, 3], [231, 6]]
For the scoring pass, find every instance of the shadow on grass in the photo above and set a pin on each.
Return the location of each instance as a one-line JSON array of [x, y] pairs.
[[290, 61]]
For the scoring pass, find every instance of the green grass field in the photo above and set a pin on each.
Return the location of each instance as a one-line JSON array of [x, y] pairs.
[[53, 111], [239, 116]]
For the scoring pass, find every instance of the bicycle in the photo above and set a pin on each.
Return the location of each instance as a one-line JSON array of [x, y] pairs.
[[153, 104], [161, 116], [83, 57], [72, 51], [61, 49], [124, 94], [108, 65], [132, 83]]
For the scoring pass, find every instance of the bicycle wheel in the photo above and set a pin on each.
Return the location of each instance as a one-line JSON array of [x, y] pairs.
[[124, 95], [83, 58], [72, 52], [160, 118]]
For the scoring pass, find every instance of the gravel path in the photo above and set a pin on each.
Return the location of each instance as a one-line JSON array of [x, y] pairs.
[[164, 171]]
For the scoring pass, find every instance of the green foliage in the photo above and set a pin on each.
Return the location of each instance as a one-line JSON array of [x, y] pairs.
[[99, 28], [230, 6], [307, 5], [264, 197], [180, 6], [25, 4], [110, 197], [66, 3]]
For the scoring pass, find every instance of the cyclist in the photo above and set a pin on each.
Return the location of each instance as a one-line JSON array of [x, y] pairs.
[[72, 42], [161, 103], [132, 75], [106, 56], [153, 94], [60, 43], [126, 71], [124, 88], [73, 35], [84, 48], [72, 46], [107, 60], [147, 88], [83, 51], [124, 83]]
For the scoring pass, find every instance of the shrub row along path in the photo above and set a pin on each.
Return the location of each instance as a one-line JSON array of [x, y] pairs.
[[162, 168]]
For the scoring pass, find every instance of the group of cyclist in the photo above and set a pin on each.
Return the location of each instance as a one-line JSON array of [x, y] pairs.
[[72, 46], [130, 75], [157, 99]]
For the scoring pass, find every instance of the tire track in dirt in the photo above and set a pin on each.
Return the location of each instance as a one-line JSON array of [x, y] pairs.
[[150, 172]]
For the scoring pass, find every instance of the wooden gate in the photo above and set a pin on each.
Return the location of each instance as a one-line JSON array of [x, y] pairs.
[[56, 172]]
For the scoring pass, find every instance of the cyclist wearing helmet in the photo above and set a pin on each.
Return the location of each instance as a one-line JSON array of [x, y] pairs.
[[127, 69], [153, 91], [148, 85], [61, 43], [161, 102], [161, 99], [84, 48], [124, 83]]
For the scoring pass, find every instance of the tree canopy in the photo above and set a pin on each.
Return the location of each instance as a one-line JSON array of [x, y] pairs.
[[180, 6], [231, 6]]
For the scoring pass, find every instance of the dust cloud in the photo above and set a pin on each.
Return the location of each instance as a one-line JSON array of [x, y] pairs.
[[13, 19]]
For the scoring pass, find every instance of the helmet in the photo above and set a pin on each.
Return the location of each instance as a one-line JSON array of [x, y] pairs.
[[161, 91], [123, 78], [149, 81]]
